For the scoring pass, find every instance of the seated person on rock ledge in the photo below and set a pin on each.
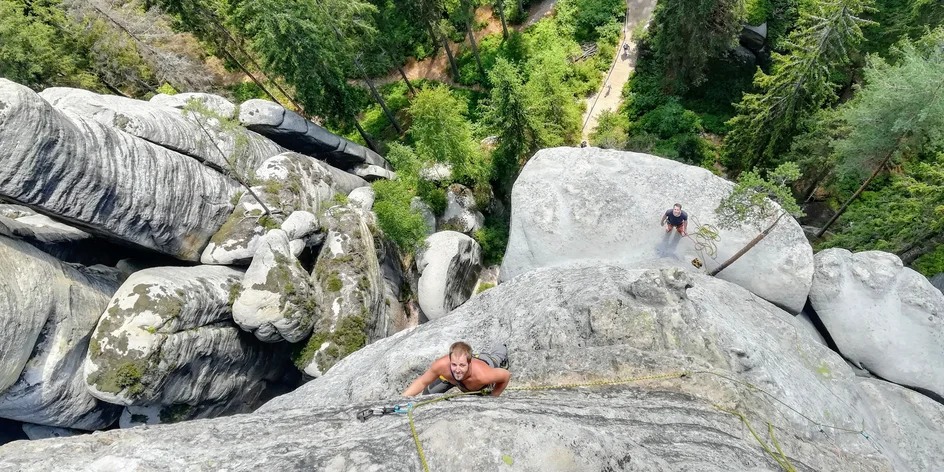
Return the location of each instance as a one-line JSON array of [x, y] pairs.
[[464, 370]]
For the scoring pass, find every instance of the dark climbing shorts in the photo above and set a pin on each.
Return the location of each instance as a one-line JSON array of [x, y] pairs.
[[496, 358]]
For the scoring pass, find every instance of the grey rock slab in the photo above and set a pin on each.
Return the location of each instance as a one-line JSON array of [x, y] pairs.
[[188, 133], [38, 431], [561, 326], [104, 181], [449, 264], [754, 37], [276, 300], [576, 207], [294, 132], [48, 311], [215, 103], [910, 421], [289, 182], [168, 338], [885, 318]]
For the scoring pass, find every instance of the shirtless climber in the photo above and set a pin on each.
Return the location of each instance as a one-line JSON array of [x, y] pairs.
[[464, 370]]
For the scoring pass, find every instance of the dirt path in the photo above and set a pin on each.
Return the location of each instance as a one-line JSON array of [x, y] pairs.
[[436, 67], [609, 97]]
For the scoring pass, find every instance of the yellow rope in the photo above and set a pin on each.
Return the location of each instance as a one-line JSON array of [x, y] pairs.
[[779, 456]]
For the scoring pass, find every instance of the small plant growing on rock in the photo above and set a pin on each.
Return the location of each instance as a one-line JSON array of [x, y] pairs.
[[753, 201], [235, 161]]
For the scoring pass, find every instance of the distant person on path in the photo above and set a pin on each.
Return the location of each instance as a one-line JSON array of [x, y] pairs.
[[677, 219]]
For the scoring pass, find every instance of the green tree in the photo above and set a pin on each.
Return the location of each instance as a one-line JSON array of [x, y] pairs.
[[298, 40], [441, 132], [899, 114], [36, 46], [511, 114], [687, 33], [755, 201], [905, 217], [550, 81], [611, 132], [797, 87]]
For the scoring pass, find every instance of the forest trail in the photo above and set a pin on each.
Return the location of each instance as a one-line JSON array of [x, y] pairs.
[[436, 66], [609, 97]]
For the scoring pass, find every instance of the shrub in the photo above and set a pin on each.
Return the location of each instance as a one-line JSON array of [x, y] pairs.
[[403, 225], [670, 119], [493, 237]]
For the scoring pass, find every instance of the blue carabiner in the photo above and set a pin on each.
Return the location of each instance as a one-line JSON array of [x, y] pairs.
[[403, 409]]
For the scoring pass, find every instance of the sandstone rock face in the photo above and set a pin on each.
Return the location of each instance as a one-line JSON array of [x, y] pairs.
[[290, 182], [349, 290], [910, 421], [449, 266], [461, 214], [561, 326], [48, 310], [169, 127], [938, 282], [884, 317], [276, 301], [754, 37], [104, 181], [300, 135], [215, 103], [167, 338], [585, 207]]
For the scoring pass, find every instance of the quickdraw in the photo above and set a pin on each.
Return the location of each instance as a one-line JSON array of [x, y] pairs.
[[402, 409]]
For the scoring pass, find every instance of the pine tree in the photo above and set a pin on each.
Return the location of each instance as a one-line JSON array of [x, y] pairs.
[[797, 87], [511, 114], [899, 114], [687, 33]]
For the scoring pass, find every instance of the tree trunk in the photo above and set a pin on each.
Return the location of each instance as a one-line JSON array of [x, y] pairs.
[[842, 209], [380, 100], [501, 15], [520, 7], [367, 138], [908, 256], [407, 81], [746, 248], [248, 74], [452, 60], [475, 49]]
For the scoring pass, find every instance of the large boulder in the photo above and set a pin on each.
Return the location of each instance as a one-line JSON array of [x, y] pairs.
[[214, 103], [461, 213], [883, 317], [349, 289], [48, 311], [300, 135], [754, 37], [168, 338], [561, 326], [169, 127], [105, 181], [276, 301], [448, 264], [590, 206], [288, 182]]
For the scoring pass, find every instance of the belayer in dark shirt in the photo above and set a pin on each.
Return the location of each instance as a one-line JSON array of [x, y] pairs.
[[677, 219]]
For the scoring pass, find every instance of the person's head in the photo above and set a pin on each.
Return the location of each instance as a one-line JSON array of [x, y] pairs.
[[677, 209], [460, 356]]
